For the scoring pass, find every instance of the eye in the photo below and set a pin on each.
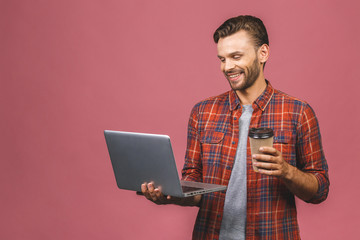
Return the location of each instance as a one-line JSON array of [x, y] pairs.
[[222, 59], [236, 57]]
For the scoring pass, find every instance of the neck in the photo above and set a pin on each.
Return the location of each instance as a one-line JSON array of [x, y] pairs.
[[249, 95]]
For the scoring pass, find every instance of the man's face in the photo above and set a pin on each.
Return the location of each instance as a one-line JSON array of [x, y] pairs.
[[239, 60]]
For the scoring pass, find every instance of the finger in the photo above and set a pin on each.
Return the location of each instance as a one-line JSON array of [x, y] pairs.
[[145, 191], [270, 172], [264, 158], [159, 194], [269, 150], [151, 190], [266, 166], [150, 187], [143, 187]]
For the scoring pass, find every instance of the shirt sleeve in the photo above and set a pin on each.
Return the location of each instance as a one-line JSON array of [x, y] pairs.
[[310, 155], [192, 170]]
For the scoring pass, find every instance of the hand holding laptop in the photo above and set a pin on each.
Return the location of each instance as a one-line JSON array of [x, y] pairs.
[[139, 158], [155, 195]]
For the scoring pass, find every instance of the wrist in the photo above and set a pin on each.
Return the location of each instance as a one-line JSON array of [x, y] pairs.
[[190, 201], [290, 172]]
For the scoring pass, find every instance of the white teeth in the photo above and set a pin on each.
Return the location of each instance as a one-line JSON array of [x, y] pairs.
[[235, 75]]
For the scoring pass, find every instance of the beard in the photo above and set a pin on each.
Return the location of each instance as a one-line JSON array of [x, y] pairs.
[[251, 73]]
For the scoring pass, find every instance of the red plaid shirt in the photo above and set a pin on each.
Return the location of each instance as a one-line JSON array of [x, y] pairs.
[[213, 135]]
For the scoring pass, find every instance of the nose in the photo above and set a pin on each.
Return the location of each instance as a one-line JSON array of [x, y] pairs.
[[229, 65]]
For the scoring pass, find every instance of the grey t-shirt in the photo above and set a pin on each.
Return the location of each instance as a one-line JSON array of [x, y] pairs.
[[234, 219]]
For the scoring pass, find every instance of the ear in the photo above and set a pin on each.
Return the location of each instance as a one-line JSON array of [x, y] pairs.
[[263, 53]]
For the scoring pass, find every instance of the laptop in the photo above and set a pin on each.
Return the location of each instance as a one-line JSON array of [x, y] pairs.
[[140, 157]]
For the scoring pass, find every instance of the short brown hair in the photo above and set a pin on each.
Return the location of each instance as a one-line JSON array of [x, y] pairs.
[[253, 25]]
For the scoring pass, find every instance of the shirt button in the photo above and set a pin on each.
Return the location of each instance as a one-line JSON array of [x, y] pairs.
[[235, 118], [233, 142]]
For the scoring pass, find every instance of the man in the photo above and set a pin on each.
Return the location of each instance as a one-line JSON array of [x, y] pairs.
[[256, 205]]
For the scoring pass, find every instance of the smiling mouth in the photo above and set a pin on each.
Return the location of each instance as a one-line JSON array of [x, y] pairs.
[[234, 76]]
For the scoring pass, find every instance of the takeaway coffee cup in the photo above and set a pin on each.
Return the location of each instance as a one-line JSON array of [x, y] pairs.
[[260, 137]]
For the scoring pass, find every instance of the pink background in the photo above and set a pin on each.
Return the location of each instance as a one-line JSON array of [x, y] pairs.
[[70, 69]]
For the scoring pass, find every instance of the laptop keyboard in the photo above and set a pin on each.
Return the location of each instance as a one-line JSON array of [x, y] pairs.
[[190, 189]]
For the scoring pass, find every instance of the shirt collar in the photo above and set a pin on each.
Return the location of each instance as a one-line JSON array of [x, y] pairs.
[[262, 101], [233, 100]]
